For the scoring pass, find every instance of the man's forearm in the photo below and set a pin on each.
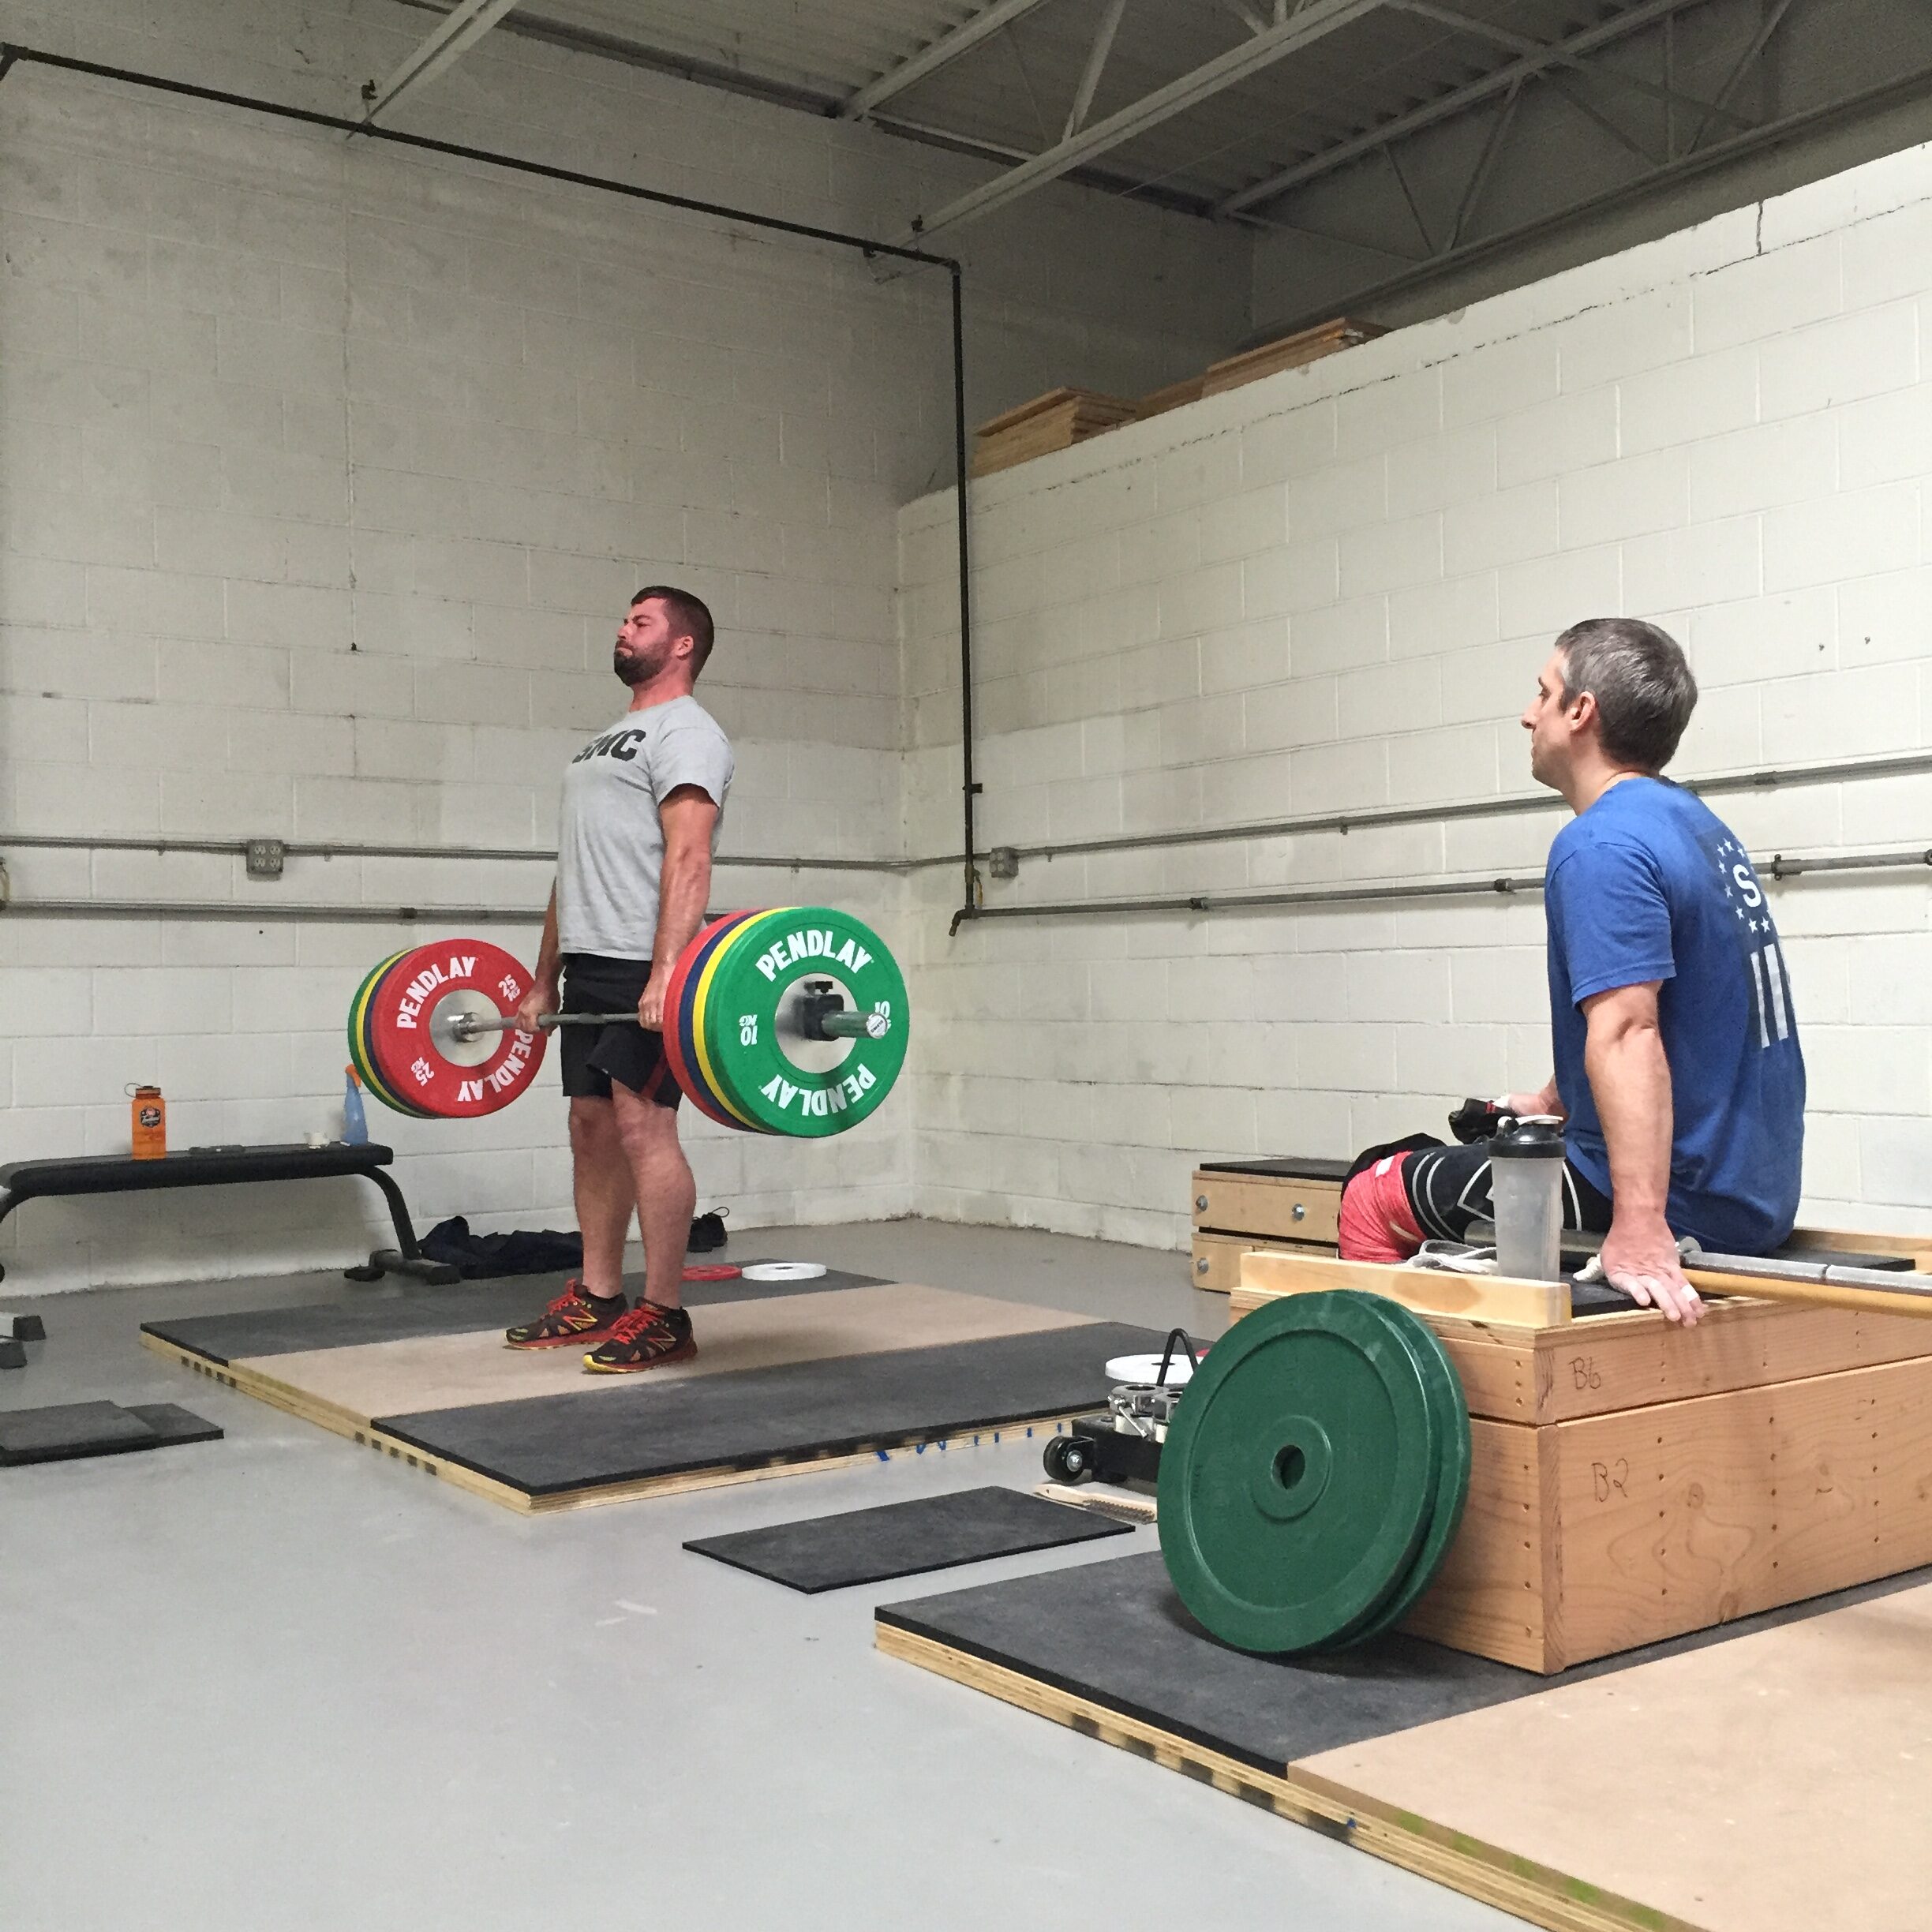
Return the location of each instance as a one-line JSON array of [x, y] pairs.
[[548, 959], [683, 888], [1630, 1080]]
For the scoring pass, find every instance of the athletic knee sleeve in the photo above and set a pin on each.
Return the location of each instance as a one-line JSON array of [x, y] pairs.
[[1376, 1223]]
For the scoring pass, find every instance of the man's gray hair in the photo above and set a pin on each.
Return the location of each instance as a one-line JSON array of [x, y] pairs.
[[1641, 682]]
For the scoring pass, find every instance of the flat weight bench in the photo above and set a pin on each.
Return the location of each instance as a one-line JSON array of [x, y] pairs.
[[223, 1167]]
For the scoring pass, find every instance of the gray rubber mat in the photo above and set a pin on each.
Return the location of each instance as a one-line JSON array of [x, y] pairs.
[[401, 1317], [904, 1539], [1116, 1634], [73, 1430], [550, 1445]]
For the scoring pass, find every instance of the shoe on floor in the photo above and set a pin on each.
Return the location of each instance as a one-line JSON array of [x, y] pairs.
[[649, 1337], [572, 1317]]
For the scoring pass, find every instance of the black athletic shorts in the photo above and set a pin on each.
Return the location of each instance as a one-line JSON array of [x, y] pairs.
[[1448, 1188], [593, 1057]]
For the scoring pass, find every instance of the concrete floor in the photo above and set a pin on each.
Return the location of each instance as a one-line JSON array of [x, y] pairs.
[[277, 1683]]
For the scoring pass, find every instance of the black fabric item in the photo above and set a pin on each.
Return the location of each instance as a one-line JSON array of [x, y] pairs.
[[551, 1445], [543, 1251], [629, 1054], [1115, 1633], [403, 1314], [1414, 1144], [904, 1539], [479, 1257]]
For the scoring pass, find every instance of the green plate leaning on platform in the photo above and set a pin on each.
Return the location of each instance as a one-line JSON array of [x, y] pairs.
[[1302, 1473]]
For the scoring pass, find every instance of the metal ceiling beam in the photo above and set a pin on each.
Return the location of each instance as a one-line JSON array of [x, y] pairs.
[[1913, 89], [1522, 43], [1773, 18], [455, 34], [1096, 62], [1313, 21], [1558, 52], [929, 59]]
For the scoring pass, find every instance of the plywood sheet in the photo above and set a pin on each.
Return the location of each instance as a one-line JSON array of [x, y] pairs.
[[431, 1373], [392, 1314], [1776, 1782]]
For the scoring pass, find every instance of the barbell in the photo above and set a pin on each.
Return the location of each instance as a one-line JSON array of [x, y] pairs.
[[788, 1020]]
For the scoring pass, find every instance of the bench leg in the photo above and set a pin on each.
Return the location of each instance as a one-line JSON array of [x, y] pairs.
[[407, 1257]]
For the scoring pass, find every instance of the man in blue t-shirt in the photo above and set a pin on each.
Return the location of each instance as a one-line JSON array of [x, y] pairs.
[[1679, 1073]]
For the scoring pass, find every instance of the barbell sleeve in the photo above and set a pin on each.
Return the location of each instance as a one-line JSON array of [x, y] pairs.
[[850, 1025]]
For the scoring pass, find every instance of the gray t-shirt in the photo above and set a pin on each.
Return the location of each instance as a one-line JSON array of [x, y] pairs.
[[610, 840]]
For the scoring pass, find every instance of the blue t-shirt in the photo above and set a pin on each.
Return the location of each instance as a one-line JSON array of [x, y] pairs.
[[1649, 884]]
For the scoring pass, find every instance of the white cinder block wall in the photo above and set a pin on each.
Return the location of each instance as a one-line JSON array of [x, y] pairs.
[[327, 472], [1331, 591]]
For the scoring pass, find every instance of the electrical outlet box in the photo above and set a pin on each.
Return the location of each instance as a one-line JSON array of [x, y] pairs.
[[265, 858]]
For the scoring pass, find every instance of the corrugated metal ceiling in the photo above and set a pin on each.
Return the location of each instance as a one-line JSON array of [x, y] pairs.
[[1010, 93]]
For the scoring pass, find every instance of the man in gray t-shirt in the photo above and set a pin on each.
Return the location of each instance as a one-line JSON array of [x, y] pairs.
[[643, 802]]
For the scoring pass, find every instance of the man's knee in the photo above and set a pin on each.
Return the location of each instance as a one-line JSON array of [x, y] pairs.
[[1376, 1221], [645, 1129], [592, 1126]]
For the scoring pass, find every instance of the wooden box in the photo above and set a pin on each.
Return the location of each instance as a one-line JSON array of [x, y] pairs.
[[1634, 1481], [1261, 1204]]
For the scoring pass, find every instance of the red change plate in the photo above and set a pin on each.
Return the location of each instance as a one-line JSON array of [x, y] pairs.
[[449, 1078], [710, 1271]]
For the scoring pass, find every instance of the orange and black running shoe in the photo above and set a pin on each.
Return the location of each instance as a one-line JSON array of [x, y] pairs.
[[649, 1337], [573, 1316]]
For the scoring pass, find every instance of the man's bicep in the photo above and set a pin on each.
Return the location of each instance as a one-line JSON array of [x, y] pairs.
[[1616, 920], [1621, 1009], [688, 816]]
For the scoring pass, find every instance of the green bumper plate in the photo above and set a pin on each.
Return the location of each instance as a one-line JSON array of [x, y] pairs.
[[1450, 1408], [772, 1078], [1301, 1475]]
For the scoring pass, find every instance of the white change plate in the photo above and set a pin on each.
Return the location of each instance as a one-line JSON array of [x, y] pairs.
[[782, 1271], [1141, 1370]]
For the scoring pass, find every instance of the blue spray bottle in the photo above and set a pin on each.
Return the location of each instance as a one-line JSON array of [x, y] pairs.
[[355, 1124]]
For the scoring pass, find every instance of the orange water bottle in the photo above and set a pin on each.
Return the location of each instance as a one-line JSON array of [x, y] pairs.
[[149, 1123]]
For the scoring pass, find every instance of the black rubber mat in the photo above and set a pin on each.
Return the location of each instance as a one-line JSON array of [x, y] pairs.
[[1115, 1634], [415, 1312], [905, 1539], [1285, 1167], [73, 1430], [549, 1445]]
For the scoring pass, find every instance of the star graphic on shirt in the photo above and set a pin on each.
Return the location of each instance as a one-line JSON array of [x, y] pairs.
[[1740, 912]]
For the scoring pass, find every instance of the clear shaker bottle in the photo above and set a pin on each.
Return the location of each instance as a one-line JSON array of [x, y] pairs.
[[1526, 1188]]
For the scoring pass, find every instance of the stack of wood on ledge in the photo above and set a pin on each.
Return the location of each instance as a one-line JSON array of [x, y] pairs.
[[1056, 421], [1062, 418]]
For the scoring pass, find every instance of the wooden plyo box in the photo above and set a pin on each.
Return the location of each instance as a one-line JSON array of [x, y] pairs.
[[1277, 1206], [1634, 1482]]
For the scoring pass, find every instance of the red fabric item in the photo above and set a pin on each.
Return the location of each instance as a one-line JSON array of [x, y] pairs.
[[1375, 1223]]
